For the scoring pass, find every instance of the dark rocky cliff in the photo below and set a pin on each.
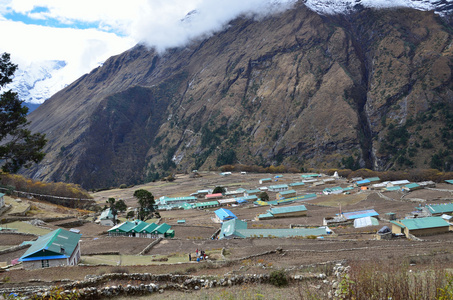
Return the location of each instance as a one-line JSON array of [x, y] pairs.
[[297, 88]]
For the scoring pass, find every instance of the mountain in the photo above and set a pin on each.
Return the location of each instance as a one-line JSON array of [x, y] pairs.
[[369, 87], [38, 81]]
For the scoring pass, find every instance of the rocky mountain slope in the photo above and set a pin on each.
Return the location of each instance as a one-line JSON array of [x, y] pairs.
[[372, 87]]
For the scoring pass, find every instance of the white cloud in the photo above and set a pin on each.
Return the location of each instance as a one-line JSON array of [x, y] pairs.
[[114, 26]]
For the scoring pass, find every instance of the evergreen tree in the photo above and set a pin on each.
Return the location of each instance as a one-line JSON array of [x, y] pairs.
[[146, 204], [18, 146]]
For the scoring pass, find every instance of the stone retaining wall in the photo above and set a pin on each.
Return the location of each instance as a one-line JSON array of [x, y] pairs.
[[89, 288], [150, 246], [12, 249]]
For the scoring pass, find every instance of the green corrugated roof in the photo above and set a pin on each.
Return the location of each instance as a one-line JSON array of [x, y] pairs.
[[209, 203], [266, 215], [149, 228], [335, 188], [162, 228], [253, 191], [266, 179], [50, 245], [296, 183], [287, 209], [310, 175], [449, 181], [372, 179], [422, 223], [124, 227], [440, 208], [411, 185], [393, 188], [287, 192]]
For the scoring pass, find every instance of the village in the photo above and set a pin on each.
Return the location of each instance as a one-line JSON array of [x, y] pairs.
[[309, 217]]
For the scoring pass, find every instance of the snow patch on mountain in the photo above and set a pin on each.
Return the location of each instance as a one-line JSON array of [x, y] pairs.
[[345, 6], [38, 81]]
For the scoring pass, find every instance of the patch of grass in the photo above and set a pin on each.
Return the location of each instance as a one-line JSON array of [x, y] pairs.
[[26, 228]]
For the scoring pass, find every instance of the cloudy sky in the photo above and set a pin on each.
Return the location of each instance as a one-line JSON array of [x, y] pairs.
[[84, 33]]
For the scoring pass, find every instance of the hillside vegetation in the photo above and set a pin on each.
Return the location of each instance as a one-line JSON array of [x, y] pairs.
[[295, 89]]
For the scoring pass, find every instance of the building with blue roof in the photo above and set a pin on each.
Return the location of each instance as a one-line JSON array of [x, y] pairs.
[[360, 214], [223, 214], [57, 248]]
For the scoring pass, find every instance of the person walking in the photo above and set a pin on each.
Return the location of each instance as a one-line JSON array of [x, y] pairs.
[[190, 257]]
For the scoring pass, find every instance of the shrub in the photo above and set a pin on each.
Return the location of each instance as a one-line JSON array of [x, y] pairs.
[[278, 278], [123, 186]]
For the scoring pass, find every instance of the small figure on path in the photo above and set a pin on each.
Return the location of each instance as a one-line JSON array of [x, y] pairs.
[[190, 257]]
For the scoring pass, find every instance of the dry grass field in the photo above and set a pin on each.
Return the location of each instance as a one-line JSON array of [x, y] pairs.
[[171, 255]]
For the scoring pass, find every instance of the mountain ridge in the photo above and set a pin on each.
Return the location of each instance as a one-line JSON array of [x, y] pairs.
[[298, 88]]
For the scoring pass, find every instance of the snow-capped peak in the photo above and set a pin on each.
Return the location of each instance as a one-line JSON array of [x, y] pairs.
[[345, 6]]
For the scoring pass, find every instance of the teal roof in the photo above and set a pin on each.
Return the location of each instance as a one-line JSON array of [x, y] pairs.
[[209, 203], [50, 246], [124, 227], [287, 209], [440, 208], [411, 186], [335, 188], [373, 179], [393, 188], [165, 200], [287, 192], [423, 223], [148, 228], [310, 175], [139, 227], [162, 228], [266, 215], [106, 214], [449, 181], [255, 191], [296, 183], [266, 179], [1, 195]]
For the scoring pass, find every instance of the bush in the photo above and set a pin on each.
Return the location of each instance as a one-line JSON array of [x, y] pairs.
[[123, 186], [278, 278]]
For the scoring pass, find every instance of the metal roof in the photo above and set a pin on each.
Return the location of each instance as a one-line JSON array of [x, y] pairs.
[[106, 214], [162, 228], [57, 244], [296, 183], [365, 181], [208, 203], [411, 186], [278, 186], [310, 175], [371, 179], [423, 223], [287, 192], [360, 214], [238, 228], [449, 181], [149, 228], [287, 209], [225, 214], [125, 226], [255, 191], [440, 208]]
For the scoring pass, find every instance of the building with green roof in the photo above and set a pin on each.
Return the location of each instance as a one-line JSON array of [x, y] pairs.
[[420, 226], [238, 229], [278, 188], [440, 209], [286, 194], [411, 187], [57, 248], [204, 205], [107, 218], [284, 212], [2, 200], [286, 201]]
